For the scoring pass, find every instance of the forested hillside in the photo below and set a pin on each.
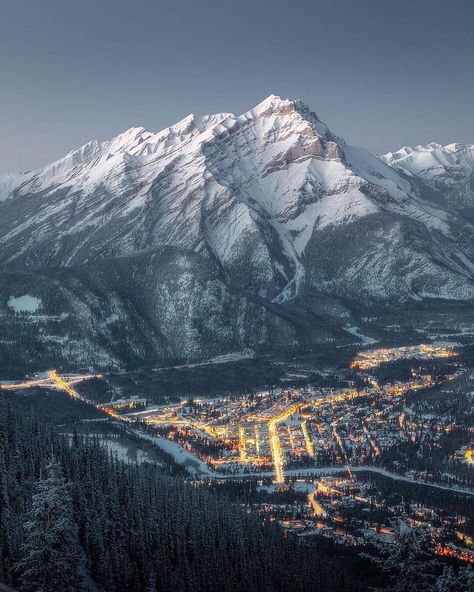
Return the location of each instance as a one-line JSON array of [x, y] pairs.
[[71, 516]]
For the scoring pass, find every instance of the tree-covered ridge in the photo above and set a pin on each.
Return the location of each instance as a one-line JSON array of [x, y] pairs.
[[139, 529]]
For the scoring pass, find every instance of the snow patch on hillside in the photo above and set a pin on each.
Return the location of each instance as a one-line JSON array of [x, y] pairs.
[[366, 340], [25, 303]]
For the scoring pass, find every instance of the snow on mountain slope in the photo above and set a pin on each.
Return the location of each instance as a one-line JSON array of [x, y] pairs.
[[272, 196], [433, 159], [92, 163]]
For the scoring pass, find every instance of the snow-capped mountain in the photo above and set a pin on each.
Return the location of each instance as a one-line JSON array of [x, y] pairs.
[[284, 212], [448, 169]]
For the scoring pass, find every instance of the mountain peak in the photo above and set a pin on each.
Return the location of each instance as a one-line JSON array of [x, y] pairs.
[[183, 125], [275, 103]]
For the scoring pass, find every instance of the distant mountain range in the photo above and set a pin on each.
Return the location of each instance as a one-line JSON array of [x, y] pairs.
[[264, 230]]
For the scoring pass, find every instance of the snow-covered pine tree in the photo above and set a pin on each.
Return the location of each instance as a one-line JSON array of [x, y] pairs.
[[50, 552], [407, 563], [447, 581], [5, 524], [466, 578]]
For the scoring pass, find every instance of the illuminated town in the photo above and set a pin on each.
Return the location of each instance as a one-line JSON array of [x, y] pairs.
[[371, 359], [287, 428], [347, 511], [317, 456]]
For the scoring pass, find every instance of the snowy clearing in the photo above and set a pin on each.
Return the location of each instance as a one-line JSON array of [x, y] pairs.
[[180, 456], [25, 303]]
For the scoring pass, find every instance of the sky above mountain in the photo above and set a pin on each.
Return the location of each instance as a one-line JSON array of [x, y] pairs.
[[381, 74]]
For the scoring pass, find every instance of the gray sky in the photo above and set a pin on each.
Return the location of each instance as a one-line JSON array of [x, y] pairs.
[[381, 74]]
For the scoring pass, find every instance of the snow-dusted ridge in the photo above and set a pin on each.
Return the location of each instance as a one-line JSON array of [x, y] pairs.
[[434, 160]]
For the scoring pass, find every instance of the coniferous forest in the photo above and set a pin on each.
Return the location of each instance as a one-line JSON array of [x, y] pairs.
[[74, 518]]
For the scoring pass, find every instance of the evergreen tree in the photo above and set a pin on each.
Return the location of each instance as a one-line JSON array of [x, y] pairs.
[[407, 563], [50, 552], [5, 524], [449, 581], [465, 579]]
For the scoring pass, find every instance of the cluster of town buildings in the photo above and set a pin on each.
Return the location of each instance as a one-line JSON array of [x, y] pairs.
[[353, 513], [288, 429], [425, 351]]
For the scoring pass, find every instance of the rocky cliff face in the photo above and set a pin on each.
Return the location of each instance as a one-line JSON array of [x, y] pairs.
[[259, 215]]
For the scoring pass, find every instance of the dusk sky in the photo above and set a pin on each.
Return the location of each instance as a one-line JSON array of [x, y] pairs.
[[382, 74]]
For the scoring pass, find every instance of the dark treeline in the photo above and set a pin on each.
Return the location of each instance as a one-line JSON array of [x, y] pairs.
[[135, 528], [54, 407], [238, 377]]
